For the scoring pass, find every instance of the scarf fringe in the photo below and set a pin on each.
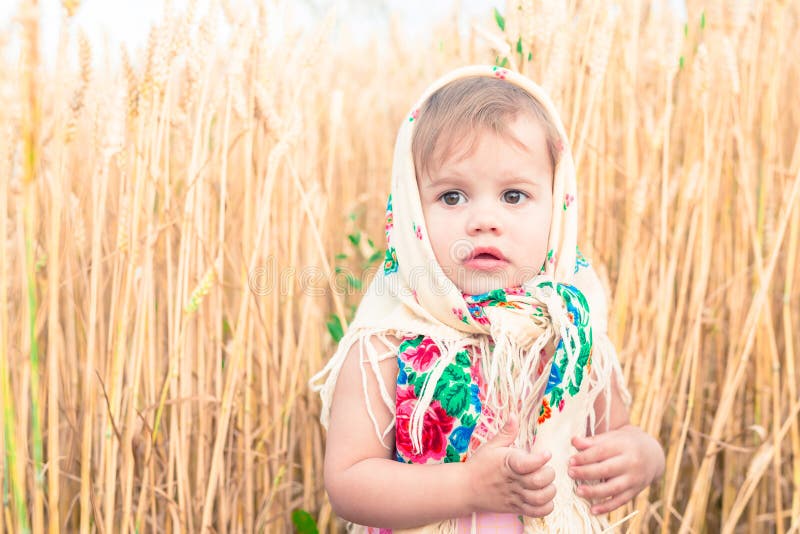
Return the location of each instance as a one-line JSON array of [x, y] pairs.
[[324, 382], [605, 373], [517, 358]]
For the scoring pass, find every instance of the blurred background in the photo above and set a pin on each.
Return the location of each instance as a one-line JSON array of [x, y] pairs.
[[191, 204]]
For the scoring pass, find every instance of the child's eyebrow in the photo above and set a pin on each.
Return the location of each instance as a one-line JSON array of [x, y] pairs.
[[451, 179], [456, 178], [526, 179]]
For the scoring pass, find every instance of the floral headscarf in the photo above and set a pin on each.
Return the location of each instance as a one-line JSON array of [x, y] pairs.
[[561, 307]]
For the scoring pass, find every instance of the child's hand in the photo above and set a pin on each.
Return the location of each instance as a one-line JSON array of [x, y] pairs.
[[509, 480], [624, 461]]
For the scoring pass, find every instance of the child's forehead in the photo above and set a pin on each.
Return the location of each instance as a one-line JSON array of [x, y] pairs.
[[461, 113], [461, 140]]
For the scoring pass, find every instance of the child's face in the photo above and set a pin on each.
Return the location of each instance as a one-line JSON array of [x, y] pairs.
[[488, 211]]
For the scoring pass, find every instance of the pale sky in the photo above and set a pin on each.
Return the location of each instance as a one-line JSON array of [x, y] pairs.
[[110, 23]]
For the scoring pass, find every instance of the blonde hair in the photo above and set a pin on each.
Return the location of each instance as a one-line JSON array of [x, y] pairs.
[[452, 117]]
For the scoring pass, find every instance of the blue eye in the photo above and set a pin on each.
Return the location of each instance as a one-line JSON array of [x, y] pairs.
[[452, 198], [514, 196]]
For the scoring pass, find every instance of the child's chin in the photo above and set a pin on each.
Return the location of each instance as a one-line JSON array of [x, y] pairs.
[[483, 284]]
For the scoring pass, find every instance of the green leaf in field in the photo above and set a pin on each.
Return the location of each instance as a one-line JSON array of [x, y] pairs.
[[355, 239], [303, 522], [686, 29], [504, 63], [353, 282], [530, 56], [335, 328], [519, 45], [370, 243], [376, 256], [352, 216], [501, 22], [341, 256], [226, 328], [703, 20]]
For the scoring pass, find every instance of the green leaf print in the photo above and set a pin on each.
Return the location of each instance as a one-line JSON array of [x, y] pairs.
[[452, 375], [455, 399], [418, 382], [452, 455], [573, 389], [556, 395], [498, 295], [468, 419], [462, 359], [561, 360], [411, 376], [578, 375]]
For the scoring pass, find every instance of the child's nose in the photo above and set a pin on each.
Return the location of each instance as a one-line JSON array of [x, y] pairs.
[[483, 220]]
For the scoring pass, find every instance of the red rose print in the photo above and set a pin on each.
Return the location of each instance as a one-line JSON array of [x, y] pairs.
[[422, 357], [436, 426]]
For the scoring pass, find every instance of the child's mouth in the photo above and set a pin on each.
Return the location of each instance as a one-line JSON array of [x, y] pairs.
[[486, 259]]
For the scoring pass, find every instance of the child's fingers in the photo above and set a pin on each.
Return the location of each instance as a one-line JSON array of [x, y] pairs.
[[523, 463], [610, 488], [613, 503], [539, 479], [582, 442], [536, 511], [592, 455], [537, 497], [602, 470]]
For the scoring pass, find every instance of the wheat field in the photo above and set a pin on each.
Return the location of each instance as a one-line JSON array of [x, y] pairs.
[[187, 227]]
